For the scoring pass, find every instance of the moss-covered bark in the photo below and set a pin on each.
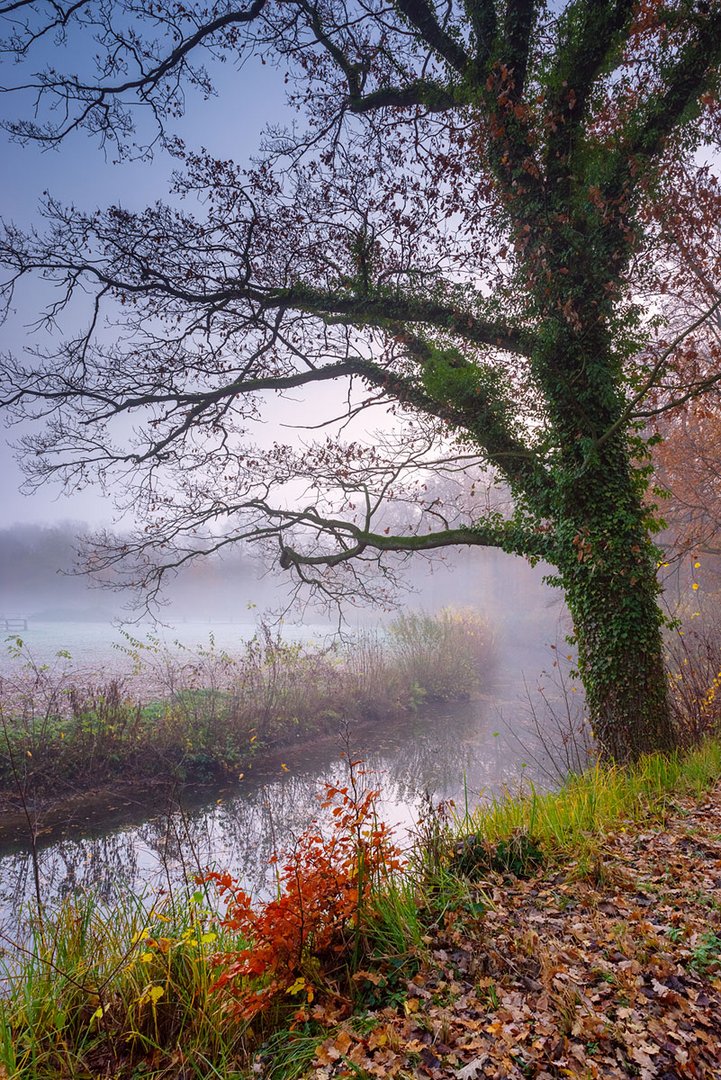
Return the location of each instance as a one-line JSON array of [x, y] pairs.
[[612, 593]]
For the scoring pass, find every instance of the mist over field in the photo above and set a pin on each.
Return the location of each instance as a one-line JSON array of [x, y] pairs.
[[39, 581]]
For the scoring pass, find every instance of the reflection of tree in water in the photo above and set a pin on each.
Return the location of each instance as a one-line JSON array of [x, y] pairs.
[[103, 867], [242, 833], [451, 753]]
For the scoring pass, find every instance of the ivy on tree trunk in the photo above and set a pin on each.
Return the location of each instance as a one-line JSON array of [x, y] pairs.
[[466, 231]]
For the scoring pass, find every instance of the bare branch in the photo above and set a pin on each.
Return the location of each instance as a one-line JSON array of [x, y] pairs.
[[421, 15]]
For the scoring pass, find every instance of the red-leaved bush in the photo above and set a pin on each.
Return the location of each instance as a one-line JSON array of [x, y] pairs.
[[303, 941]]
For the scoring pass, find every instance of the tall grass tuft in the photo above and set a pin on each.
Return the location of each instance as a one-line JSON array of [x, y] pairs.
[[445, 655], [567, 822], [97, 990]]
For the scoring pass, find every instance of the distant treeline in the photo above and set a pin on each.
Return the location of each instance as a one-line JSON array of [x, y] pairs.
[[39, 579]]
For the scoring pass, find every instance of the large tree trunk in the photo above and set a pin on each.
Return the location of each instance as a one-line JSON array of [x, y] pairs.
[[612, 593], [605, 556], [622, 666]]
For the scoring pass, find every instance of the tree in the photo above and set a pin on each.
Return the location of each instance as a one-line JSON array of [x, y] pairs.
[[461, 235], [684, 408]]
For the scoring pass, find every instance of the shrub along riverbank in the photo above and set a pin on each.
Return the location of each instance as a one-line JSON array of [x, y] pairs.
[[574, 934], [61, 733]]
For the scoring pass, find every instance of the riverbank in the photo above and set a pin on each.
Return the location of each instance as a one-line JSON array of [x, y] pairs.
[[574, 934], [66, 738], [131, 801], [608, 970]]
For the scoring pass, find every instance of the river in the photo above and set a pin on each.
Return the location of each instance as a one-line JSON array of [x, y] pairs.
[[465, 752]]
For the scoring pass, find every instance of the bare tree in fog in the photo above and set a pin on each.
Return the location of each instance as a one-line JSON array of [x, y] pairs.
[[454, 238]]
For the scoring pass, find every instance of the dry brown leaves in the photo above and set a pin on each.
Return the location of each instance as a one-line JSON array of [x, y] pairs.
[[612, 973]]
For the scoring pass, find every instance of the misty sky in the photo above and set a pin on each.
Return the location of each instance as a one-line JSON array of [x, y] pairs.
[[229, 125]]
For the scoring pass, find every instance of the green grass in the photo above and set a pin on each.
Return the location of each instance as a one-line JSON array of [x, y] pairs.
[[131, 992], [97, 987], [565, 823], [707, 953], [288, 1055]]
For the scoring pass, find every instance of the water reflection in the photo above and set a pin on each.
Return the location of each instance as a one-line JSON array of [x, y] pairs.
[[461, 753]]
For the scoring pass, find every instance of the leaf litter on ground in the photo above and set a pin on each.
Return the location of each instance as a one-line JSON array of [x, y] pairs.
[[607, 969]]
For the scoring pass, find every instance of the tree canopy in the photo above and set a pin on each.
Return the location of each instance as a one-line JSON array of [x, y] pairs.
[[471, 228]]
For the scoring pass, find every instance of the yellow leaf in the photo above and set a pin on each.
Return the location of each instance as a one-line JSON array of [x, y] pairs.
[[146, 957], [205, 938], [151, 994], [98, 1014], [297, 986]]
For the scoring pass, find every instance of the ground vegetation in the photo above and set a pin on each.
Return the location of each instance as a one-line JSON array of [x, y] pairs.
[[466, 230], [195, 716], [575, 935]]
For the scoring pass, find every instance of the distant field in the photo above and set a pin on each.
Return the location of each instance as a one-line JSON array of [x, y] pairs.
[[97, 647]]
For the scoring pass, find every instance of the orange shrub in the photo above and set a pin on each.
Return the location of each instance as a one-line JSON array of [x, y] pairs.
[[302, 942]]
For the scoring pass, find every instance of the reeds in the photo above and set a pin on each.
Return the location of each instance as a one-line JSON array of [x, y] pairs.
[[214, 713], [129, 993]]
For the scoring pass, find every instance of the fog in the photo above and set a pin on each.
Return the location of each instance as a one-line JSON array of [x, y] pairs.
[[463, 750], [39, 581]]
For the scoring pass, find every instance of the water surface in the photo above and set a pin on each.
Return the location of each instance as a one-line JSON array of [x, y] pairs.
[[465, 752]]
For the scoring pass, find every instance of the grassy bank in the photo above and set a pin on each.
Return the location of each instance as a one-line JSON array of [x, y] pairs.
[[570, 934], [570, 823], [60, 732]]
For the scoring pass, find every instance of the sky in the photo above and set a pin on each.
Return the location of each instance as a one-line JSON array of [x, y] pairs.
[[230, 125]]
